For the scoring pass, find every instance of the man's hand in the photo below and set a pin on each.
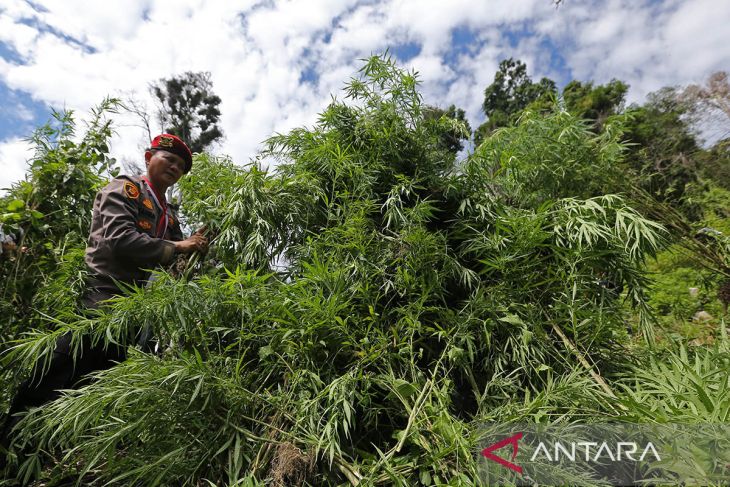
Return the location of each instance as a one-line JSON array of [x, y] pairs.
[[195, 243], [207, 232]]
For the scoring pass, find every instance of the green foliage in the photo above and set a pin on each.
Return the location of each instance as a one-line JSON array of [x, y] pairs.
[[682, 386], [686, 386], [700, 259], [714, 164], [715, 203], [546, 157], [511, 92], [188, 108], [663, 157], [49, 213], [662, 150], [416, 298], [672, 275], [453, 123], [595, 103], [254, 215]]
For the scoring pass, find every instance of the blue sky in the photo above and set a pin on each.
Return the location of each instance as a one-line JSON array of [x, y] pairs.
[[275, 63]]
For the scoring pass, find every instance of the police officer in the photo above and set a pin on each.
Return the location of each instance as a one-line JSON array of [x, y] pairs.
[[133, 229]]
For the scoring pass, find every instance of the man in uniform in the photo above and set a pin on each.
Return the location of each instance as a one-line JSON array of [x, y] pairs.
[[133, 229]]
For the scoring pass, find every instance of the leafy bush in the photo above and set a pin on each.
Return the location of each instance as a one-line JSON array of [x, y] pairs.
[[365, 308], [687, 386], [49, 214]]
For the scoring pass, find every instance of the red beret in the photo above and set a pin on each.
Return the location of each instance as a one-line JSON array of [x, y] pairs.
[[174, 144]]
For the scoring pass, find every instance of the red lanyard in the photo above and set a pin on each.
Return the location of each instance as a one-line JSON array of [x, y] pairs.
[[162, 204]]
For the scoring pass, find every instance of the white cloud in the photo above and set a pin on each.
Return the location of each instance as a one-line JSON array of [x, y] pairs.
[[14, 154], [23, 113], [645, 43], [698, 35], [17, 9], [256, 51], [18, 36]]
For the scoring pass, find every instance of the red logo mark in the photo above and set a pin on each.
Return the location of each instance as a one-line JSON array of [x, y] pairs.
[[512, 440]]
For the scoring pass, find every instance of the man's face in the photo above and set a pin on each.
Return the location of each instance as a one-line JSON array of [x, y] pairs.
[[164, 168]]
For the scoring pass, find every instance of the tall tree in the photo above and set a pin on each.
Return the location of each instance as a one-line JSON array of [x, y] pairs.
[[511, 92], [188, 108], [662, 149], [709, 104], [595, 103], [715, 94]]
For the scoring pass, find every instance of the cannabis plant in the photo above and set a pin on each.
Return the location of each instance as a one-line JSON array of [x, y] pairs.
[[366, 307], [48, 215]]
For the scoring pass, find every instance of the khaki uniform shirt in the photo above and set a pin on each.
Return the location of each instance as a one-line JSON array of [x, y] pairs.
[[123, 244]]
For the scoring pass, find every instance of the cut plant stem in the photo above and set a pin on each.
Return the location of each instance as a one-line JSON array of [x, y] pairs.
[[581, 358]]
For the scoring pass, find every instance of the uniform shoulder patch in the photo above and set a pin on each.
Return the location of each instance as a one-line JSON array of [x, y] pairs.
[[170, 220], [147, 203], [144, 224], [131, 190]]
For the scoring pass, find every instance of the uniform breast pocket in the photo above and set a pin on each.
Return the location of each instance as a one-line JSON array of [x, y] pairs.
[[146, 221]]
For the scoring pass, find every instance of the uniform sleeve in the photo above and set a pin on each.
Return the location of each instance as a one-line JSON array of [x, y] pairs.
[[119, 213]]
